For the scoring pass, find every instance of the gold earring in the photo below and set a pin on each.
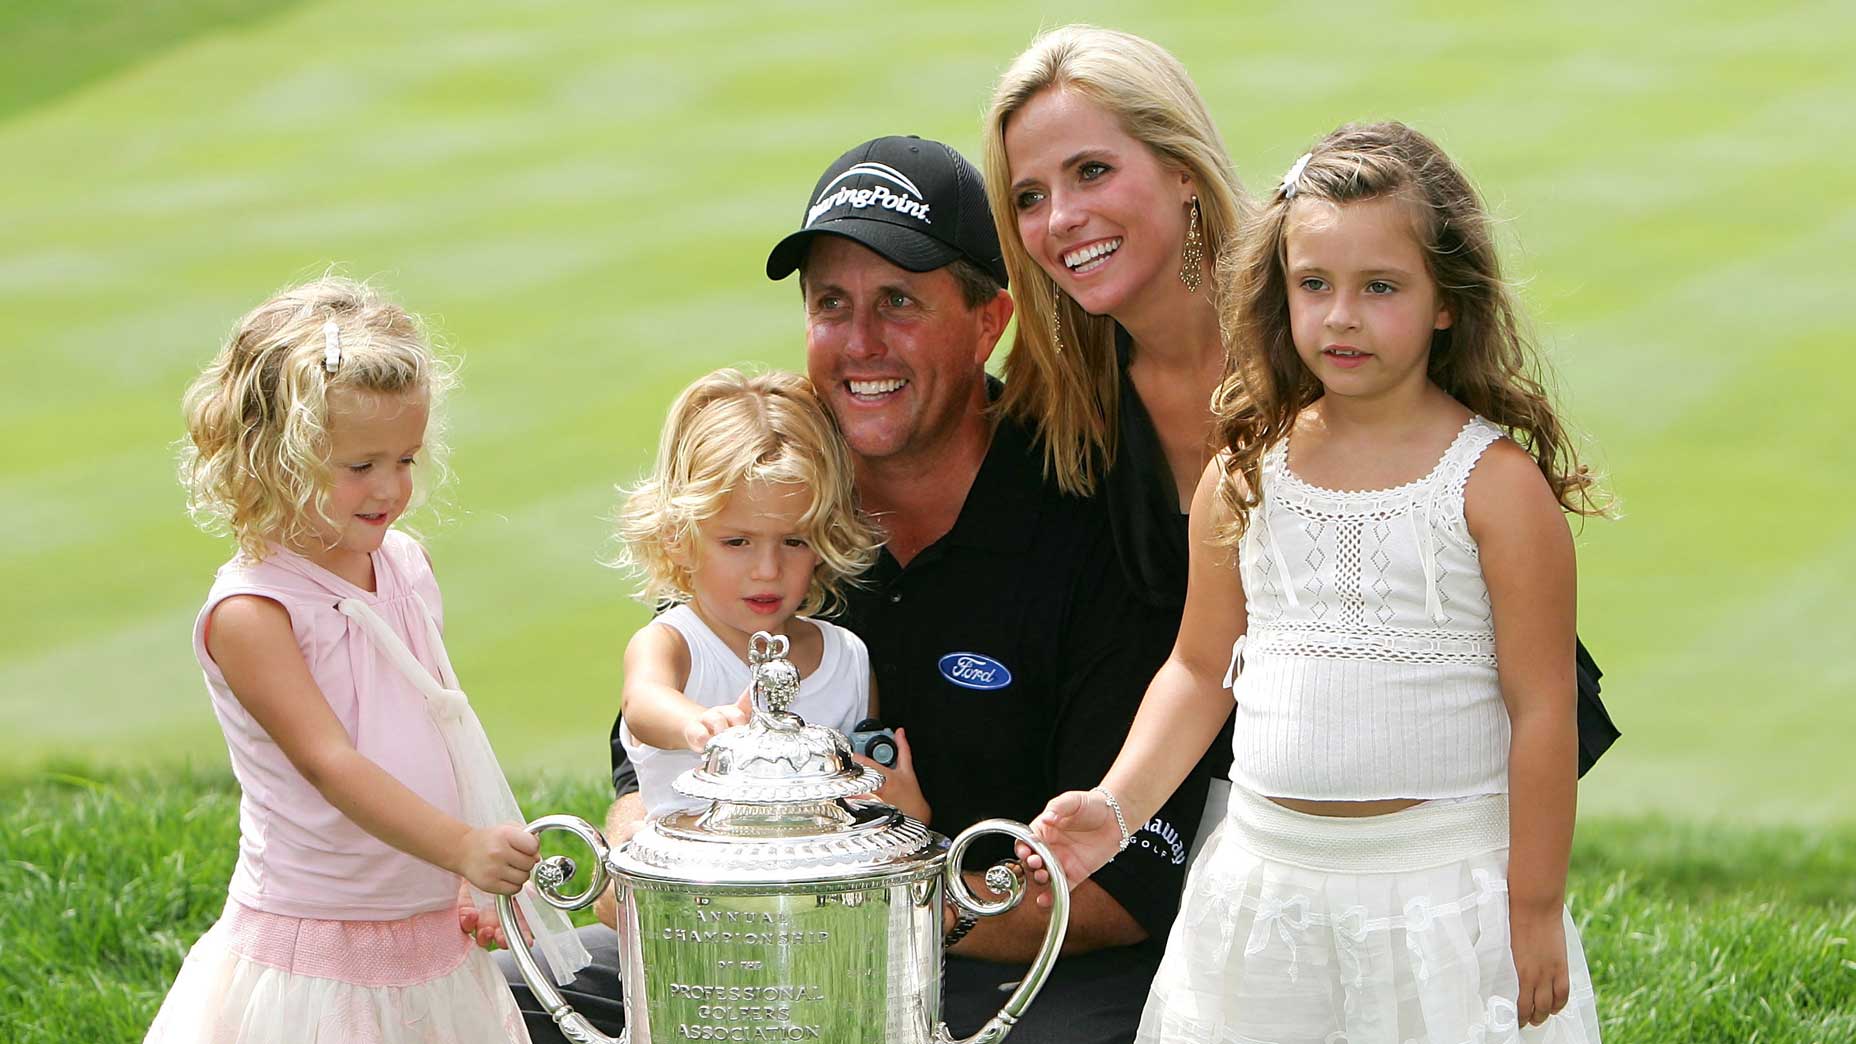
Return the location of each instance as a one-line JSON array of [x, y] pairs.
[[1192, 259], [1056, 317]]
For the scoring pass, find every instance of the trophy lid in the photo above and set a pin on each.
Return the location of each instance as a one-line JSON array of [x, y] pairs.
[[778, 793]]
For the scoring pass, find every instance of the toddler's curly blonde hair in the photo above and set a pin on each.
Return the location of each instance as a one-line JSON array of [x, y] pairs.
[[254, 461], [726, 430]]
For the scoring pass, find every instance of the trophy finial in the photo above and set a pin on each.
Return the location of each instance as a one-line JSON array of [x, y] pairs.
[[776, 680]]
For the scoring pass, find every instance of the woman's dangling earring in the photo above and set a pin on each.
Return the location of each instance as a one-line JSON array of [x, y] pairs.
[[1056, 316], [1192, 259]]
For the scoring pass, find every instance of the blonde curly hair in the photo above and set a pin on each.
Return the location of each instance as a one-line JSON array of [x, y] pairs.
[[724, 431], [254, 461]]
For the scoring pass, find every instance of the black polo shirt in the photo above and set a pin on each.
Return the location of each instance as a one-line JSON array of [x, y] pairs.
[[1015, 653]]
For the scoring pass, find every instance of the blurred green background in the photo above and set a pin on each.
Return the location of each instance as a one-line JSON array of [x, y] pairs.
[[580, 198]]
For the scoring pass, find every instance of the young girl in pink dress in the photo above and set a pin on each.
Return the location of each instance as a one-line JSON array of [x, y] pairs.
[[1384, 534], [368, 787]]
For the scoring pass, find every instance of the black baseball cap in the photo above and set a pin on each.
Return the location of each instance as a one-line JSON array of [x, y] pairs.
[[918, 203]]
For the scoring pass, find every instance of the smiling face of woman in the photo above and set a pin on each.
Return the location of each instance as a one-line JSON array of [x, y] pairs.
[[1095, 208]]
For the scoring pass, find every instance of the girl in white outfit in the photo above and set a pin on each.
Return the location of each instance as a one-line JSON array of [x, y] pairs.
[[1384, 531]]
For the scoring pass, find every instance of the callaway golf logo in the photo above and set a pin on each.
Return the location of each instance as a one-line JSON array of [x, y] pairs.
[[911, 204]]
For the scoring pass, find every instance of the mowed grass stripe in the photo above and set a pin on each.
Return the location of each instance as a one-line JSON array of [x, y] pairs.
[[581, 198]]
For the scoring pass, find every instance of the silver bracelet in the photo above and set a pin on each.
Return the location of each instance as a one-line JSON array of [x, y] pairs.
[[1121, 822]]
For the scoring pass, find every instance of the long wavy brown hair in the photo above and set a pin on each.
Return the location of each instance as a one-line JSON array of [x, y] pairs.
[[1485, 359]]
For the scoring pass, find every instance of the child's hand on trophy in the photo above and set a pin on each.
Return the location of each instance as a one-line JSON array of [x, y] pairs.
[[714, 721]]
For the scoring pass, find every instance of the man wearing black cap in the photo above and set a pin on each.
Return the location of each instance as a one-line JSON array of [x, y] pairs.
[[1008, 651], [1005, 642]]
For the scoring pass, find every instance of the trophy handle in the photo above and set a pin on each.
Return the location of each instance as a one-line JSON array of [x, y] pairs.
[[1006, 878], [548, 876]]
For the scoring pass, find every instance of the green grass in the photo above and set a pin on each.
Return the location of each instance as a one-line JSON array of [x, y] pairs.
[[1692, 935], [581, 196]]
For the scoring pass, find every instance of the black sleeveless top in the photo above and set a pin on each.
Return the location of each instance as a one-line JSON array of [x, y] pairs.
[[1151, 540], [1143, 501]]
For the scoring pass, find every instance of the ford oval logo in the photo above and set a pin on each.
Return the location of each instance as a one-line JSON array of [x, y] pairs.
[[973, 671]]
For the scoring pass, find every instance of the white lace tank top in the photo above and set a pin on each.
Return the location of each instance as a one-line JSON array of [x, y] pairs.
[[1368, 667]]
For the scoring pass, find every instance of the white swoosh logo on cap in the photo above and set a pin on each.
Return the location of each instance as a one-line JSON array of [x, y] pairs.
[[878, 169]]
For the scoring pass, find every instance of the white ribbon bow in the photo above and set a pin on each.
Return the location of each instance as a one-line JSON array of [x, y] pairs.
[[1418, 916], [1218, 914], [1289, 916], [1350, 929]]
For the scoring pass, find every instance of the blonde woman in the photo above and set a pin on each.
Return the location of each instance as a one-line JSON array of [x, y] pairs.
[[1114, 196]]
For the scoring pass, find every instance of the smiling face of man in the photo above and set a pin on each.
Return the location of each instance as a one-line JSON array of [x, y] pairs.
[[898, 356]]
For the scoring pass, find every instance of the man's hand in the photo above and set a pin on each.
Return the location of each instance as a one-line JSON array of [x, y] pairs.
[[485, 927], [622, 821], [900, 786], [485, 931]]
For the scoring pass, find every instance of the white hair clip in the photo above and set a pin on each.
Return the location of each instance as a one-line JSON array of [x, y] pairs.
[[1290, 180], [331, 347]]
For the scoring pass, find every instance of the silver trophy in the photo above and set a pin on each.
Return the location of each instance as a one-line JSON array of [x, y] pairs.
[[788, 909]]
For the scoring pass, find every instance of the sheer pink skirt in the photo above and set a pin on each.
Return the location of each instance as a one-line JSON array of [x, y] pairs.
[[260, 978]]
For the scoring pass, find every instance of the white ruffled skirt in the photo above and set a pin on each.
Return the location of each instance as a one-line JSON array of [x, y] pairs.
[[264, 978], [1300, 929]]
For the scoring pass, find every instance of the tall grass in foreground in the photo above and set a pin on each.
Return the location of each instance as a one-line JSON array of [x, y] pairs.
[[1693, 933]]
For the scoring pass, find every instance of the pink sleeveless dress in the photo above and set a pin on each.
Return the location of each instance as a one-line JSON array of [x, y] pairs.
[[330, 934]]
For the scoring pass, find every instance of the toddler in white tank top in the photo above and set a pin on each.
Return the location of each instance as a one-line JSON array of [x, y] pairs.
[[746, 524], [835, 693]]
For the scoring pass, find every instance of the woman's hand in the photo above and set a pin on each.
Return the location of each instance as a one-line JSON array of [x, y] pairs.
[[497, 859], [1538, 938], [1080, 830], [900, 787], [698, 731]]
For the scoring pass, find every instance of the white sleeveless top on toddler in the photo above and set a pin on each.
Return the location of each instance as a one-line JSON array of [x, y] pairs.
[[1368, 667], [836, 694]]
